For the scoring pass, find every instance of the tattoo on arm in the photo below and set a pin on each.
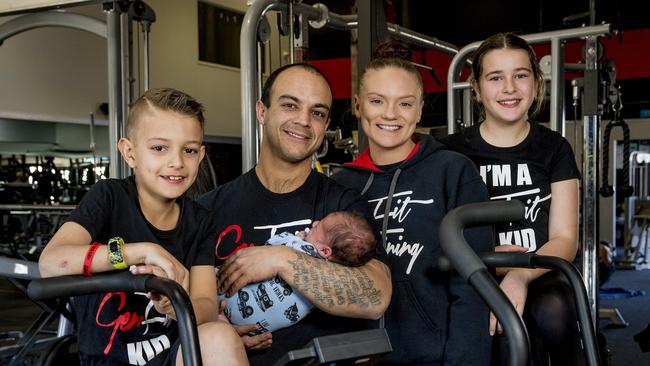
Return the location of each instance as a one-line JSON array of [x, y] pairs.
[[332, 284]]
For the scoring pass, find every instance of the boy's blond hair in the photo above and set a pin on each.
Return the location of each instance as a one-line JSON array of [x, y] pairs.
[[167, 99]]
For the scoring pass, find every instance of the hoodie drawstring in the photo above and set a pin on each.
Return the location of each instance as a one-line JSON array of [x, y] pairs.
[[368, 183], [384, 224], [389, 200]]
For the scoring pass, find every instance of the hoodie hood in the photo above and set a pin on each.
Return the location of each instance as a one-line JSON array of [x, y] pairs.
[[425, 145]]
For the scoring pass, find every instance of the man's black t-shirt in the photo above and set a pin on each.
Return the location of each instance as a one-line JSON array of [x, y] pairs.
[[524, 172], [124, 328], [248, 214]]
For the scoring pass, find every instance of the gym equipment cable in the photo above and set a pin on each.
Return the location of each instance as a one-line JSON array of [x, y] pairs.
[[625, 189]]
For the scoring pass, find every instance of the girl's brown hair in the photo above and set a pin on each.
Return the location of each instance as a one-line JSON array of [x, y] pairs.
[[510, 41]]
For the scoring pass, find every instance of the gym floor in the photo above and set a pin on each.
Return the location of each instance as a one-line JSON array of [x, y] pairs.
[[17, 312], [635, 311]]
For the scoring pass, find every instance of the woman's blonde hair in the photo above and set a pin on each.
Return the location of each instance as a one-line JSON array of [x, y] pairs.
[[393, 53]]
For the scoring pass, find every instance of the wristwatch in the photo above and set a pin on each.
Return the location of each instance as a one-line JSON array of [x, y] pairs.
[[116, 252]]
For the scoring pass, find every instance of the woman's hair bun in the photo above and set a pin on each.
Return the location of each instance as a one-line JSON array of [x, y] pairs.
[[393, 48]]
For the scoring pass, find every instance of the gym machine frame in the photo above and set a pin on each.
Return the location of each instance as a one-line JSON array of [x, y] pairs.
[[472, 268], [67, 286], [637, 208], [117, 32], [351, 348], [255, 30], [590, 118]]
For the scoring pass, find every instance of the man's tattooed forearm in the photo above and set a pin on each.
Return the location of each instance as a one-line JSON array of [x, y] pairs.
[[333, 285]]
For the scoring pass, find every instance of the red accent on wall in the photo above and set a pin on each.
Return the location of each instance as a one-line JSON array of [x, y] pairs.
[[339, 74], [630, 51]]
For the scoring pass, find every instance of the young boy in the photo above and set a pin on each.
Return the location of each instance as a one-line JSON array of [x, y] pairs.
[[342, 237], [144, 222]]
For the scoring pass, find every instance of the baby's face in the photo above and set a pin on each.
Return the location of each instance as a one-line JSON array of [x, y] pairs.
[[315, 233], [318, 233]]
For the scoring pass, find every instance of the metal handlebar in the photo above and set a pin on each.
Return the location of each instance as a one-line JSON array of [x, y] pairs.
[[75, 285], [474, 271], [532, 260]]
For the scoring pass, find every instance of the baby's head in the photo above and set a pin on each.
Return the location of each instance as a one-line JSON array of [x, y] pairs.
[[164, 142], [343, 237]]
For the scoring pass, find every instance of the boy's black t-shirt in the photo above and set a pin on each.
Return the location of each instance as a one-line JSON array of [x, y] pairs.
[[124, 328], [248, 214], [524, 172]]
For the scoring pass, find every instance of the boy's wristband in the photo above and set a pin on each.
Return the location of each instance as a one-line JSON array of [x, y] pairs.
[[88, 261], [116, 253]]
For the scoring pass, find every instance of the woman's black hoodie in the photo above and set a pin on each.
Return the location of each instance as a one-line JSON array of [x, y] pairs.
[[434, 317]]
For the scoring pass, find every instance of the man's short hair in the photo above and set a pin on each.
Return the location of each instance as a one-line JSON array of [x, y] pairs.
[[268, 85], [167, 99]]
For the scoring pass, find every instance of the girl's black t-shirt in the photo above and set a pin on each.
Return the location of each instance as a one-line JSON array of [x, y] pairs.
[[524, 172]]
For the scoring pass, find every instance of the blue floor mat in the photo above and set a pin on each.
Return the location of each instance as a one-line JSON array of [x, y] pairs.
[[619, 293]]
